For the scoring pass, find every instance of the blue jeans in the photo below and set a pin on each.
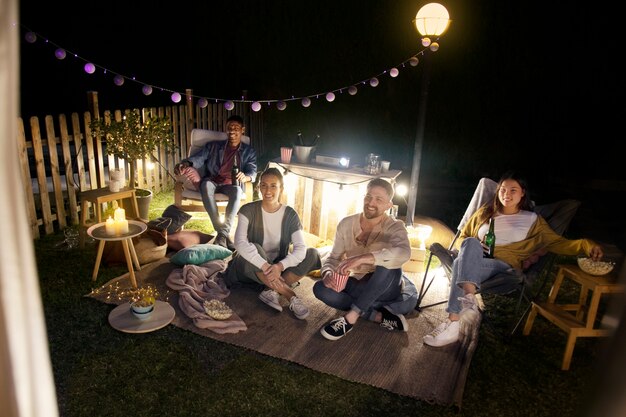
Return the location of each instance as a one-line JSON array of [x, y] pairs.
[[383, 287], [233, 192], [241, 271], [471, 266]]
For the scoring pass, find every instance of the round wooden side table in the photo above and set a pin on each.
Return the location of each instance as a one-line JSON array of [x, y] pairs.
[[135, 228]]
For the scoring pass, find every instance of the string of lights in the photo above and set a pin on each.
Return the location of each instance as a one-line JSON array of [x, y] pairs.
[[119, 79]]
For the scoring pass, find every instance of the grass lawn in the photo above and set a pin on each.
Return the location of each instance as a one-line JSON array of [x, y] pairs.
[[100, 371]]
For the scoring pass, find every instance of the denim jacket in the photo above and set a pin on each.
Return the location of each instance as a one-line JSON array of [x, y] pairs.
[[209, 159]]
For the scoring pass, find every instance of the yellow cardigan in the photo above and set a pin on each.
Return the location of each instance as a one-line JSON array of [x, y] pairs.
[[540, 238]]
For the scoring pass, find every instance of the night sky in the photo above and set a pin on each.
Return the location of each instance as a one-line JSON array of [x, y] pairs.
[[520, 85]]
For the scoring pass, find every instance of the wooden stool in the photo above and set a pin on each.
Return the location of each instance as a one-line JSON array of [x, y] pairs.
[[101, 196], [581, 322]]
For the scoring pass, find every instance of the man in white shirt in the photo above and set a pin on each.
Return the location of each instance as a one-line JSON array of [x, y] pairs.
[[370, 248]]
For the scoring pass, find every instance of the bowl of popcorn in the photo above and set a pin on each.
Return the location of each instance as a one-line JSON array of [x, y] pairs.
[[595, 267], [217, 310]]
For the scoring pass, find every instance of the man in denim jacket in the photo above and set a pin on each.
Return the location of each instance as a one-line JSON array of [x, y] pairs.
[[215, 161]]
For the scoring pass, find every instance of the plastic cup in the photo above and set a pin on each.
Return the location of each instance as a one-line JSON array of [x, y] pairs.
[[384, 166], [285, 154]]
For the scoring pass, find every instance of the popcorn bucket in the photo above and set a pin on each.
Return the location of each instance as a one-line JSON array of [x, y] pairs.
[[336, 281], [285, 154]]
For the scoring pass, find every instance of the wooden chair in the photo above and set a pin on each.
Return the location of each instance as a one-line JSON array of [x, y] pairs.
[[189, 199]]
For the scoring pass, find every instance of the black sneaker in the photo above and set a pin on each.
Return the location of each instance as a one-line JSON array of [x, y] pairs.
[[336, 329], [393, 321]]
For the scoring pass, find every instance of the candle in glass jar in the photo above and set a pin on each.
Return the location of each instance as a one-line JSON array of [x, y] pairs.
[[110, 227], [114, 186], [120, 214]]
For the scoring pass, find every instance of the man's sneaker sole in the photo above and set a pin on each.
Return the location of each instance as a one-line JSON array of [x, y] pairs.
[[331, 337]]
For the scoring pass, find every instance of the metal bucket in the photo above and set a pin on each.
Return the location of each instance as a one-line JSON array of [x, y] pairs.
[[303, 153]]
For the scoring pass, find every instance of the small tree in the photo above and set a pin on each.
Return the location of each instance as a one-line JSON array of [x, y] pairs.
[[132, 139]]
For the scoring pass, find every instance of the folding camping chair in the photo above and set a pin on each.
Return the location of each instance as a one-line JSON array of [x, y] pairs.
[[483, 194], [558, 215]]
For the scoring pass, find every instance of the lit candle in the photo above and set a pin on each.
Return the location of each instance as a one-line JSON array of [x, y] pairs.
[[110, 227], [120, 214], [122, 227]]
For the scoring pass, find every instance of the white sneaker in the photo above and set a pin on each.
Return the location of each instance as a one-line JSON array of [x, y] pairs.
[[444, 334], [300, 310], [271, 298], [468, 302]]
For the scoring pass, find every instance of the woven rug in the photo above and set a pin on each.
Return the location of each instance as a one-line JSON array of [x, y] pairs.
[[394, 361]]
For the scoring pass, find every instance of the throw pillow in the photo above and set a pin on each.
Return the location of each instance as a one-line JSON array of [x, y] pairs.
[[199, 254], [179, 218], [187, 238]]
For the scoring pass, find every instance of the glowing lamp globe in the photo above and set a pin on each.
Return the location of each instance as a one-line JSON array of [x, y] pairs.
[[281, 105], [432, 20], [394, 72], [118, 80], [176, 97], [306, 102], [60, 53], [229, 105], [330, 97], [146, 90], [352, 90], [256, 106], [414, 61], [374, 82], [30, 37]]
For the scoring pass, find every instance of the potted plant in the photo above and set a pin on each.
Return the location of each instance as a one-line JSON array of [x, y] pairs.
[[133, 138], [143, 301]]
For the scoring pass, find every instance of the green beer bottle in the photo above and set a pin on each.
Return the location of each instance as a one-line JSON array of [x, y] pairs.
[[490, 238]]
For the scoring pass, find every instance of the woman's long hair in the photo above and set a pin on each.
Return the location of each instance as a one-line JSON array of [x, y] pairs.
[[524, 204]]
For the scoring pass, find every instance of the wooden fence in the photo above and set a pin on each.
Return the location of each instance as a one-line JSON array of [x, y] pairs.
[[62, 158]]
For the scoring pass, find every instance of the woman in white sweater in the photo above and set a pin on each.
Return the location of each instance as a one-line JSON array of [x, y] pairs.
[[265, 231]]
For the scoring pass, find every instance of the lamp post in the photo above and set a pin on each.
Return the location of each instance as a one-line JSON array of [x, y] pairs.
[[431, 20]]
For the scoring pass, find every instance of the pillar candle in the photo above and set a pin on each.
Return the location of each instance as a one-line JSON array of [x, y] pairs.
[[122, 227], [110, 227], [120, 214]]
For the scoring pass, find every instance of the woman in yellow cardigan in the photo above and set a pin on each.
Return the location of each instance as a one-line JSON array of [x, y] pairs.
[[520, 232]]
